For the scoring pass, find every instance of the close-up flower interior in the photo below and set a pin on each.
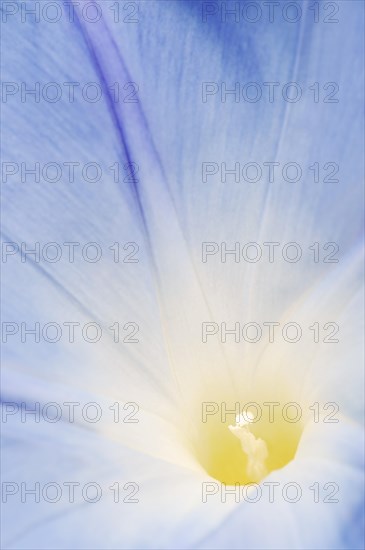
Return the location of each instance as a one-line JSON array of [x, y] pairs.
[[182, 233]]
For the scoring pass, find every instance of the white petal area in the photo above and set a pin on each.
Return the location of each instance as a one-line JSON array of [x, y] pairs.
[[59, 453], [125, 422], [116, 366], [325, 364], [170, 512]]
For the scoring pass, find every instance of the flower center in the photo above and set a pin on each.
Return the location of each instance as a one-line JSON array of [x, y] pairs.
[[249, 449]]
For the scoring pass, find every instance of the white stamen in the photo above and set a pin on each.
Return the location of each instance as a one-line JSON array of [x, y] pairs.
[[254, 448]]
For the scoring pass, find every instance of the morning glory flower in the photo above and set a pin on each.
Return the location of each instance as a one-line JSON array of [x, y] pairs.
[[132, 195]]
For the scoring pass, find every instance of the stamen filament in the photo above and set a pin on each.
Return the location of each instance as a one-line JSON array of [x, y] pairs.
[[254, 448]]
